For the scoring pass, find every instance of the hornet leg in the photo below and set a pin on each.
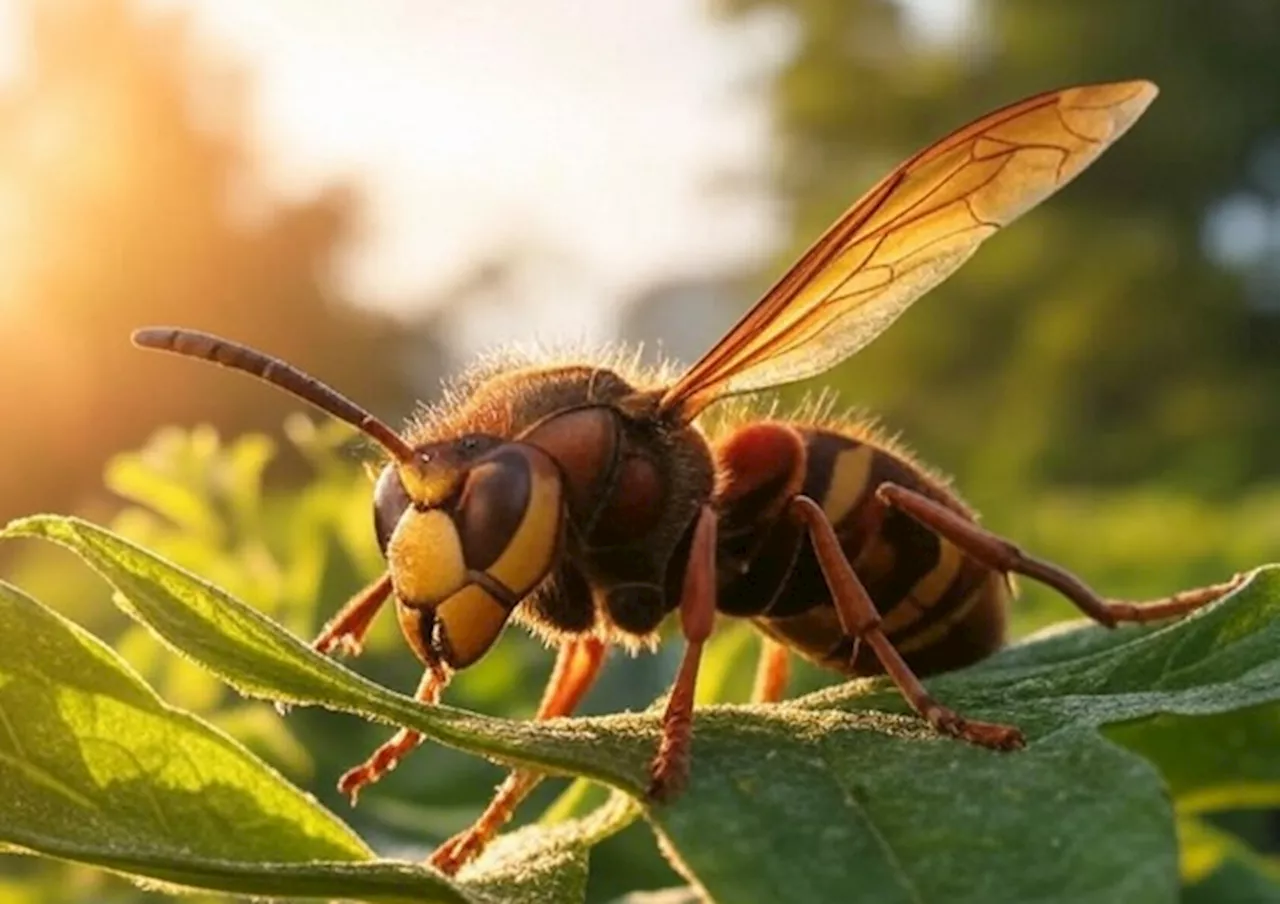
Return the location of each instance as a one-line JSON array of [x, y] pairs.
[[1002, 555], [860, 620], [670, 769], [577, 665]]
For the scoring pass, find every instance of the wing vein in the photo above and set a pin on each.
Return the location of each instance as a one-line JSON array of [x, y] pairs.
[[908, 233]]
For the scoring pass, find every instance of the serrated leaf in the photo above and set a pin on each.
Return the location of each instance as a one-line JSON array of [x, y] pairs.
[[95, 768], [839, 796]]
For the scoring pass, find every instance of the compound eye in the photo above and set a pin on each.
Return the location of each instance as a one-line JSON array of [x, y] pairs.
[[510, 516], [493, 505], [390, 499]]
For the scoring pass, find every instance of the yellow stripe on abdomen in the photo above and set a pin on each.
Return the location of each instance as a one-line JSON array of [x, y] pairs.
[[849, 475], [927, 591]]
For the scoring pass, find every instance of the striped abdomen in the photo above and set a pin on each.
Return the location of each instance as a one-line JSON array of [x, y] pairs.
[[940, 608]]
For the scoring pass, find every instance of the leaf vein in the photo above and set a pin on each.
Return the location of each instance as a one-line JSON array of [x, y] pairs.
[[43, 777], [891, 856], [13, 735]]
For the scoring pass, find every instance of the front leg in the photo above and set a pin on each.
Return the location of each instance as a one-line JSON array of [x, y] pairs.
[[400, 745], [670, 770], [344, 634], [577, 665]]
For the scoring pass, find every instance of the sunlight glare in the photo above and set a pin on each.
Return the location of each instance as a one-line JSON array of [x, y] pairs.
[[588, 131]]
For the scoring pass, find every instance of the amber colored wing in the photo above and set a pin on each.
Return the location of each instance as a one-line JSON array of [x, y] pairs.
[[906, 235]]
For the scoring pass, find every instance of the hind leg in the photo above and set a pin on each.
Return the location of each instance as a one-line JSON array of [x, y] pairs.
[[1002, 555], [860, 620]]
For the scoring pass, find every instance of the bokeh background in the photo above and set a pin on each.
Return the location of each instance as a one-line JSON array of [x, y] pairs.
[[377, 191]]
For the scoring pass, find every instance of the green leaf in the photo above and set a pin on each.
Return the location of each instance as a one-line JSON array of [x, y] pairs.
[[95, 768], [842, 795], [853, 809]]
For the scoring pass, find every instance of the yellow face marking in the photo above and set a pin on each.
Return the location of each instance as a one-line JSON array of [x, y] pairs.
[[470, 622], [528, 556], [849, 477], [425, 555], [429, 483]]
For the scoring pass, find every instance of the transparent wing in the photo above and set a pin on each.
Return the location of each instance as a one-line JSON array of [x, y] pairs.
[[907, 234]]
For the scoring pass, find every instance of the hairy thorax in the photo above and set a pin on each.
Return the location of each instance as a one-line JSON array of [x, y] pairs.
[[633, 485]]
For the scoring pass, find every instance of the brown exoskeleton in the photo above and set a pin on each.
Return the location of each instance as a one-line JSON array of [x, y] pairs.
[[590, 505]]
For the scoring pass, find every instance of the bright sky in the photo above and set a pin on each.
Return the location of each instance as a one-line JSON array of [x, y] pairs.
[[595, 129]]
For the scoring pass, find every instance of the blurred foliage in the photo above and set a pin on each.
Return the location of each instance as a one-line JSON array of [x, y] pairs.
[[130, 197], [1101, 378], [1097, 341]]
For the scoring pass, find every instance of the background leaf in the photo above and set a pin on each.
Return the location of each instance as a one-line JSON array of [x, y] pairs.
[[1214, 762], [1225, 870]]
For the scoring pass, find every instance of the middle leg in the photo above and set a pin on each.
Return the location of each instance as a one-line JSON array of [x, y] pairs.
[[860, 620], [670, 768]]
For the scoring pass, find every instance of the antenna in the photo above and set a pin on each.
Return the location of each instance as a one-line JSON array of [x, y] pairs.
[[215, 349]]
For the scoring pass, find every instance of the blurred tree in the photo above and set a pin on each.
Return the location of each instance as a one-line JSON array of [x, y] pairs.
[[1097, 341], [127, 197]]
